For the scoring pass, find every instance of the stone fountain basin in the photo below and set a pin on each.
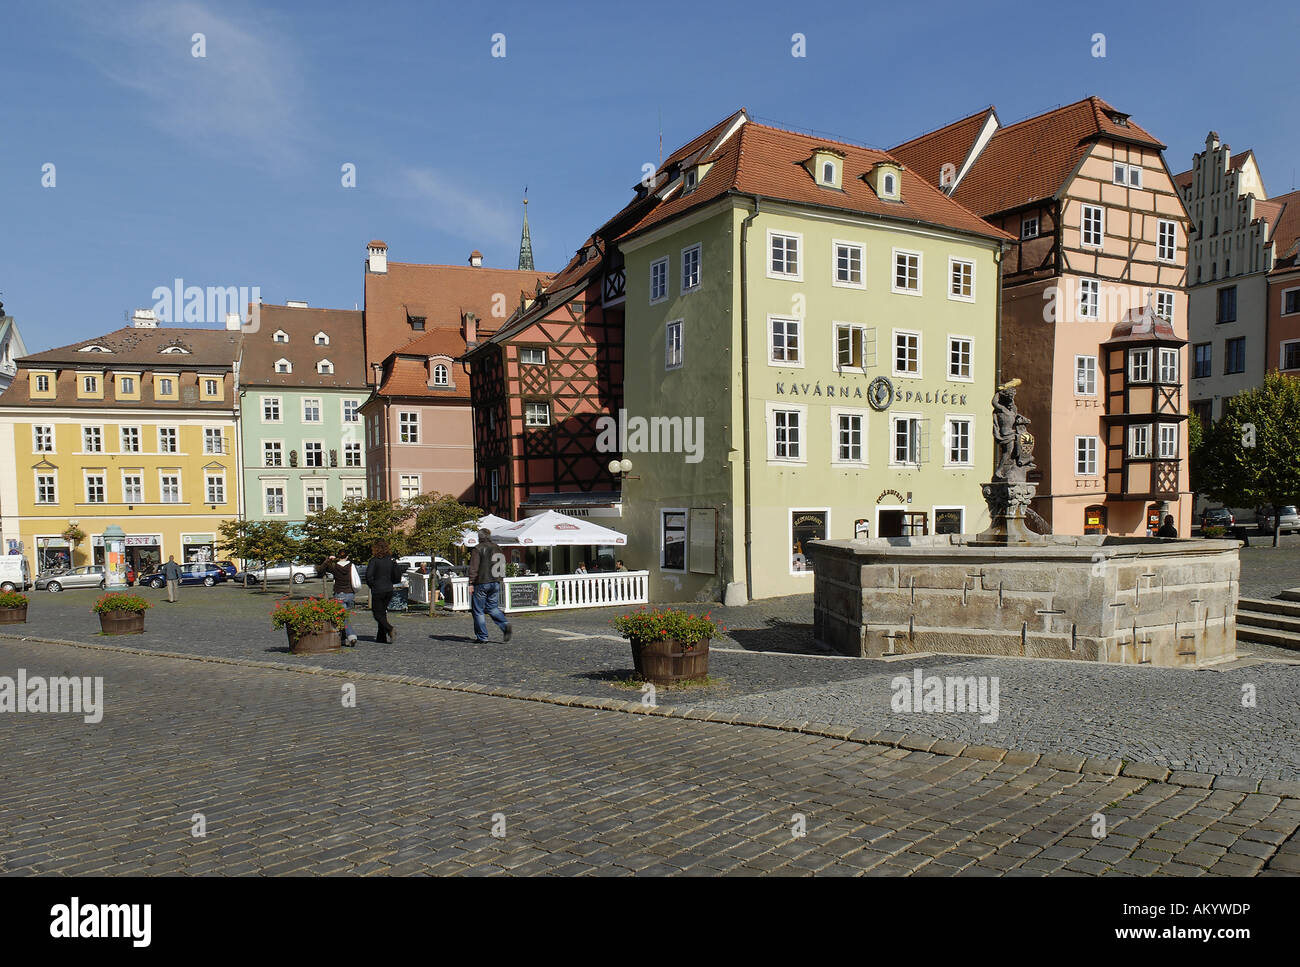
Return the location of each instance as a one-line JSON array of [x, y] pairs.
[[1126, 600]]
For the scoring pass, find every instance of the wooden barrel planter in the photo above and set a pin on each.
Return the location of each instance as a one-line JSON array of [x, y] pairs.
[[121, 622], [317, 644], [13, 616], [668, 660]]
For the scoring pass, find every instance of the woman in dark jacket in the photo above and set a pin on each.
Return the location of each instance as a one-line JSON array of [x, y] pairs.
[[381, 574]]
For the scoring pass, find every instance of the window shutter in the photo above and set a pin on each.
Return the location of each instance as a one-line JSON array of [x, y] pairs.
[[921, 442], [869, 347]]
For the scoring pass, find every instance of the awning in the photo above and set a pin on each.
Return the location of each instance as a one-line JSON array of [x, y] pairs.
[[469, 536], [551, 530]]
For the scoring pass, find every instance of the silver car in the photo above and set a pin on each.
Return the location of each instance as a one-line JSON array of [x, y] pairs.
[[91, 576], [1264, 518], [283, 571]]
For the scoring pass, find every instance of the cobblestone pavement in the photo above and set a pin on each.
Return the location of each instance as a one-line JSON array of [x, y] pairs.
[[413, 780]]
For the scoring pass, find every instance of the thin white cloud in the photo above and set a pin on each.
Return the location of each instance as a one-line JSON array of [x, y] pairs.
[[244, 99], [454, 209]]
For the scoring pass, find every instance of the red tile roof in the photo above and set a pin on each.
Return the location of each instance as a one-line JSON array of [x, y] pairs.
[[1287, 232], [768, 161], [441, 293], [950, 144], [1031, 160], [407, 376], [346, 350]]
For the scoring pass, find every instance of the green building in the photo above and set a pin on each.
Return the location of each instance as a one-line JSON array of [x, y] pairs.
[[818, 327], [301, 386]]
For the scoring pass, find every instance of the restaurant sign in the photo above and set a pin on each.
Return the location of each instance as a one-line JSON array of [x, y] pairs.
[[831, 391]]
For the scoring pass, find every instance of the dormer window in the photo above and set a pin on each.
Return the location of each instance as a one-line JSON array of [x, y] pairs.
[[690, 179], [886, 178], [440, 376], [283, 366], [890, 186], [824, 166], [321, 339], [828, 172], [325, 367], [280, 336], [173, 350], [95, 349]]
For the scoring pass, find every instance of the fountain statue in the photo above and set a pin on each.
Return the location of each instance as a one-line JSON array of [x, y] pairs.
[[1009, 493]]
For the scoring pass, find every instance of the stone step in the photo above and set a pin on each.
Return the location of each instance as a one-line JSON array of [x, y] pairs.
[[1268, 636], [1267, 619], [1292, 594], [1270, 605]]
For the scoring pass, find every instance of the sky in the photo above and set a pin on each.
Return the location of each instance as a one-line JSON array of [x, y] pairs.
[[227, 169]]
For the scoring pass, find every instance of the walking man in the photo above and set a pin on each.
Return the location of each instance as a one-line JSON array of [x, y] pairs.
[[172, 574], [381, 574], [487, 566], [345, 577]]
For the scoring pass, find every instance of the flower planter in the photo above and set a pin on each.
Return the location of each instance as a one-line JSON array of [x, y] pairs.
[[667, 660], [13, 616], [121, 622], [317, 644]]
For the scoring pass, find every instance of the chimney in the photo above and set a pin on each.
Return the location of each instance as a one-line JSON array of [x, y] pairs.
[[232, 321], [296, 305], [377, 257], [476, 259], [144, 319], [377, 373], [469, 328]]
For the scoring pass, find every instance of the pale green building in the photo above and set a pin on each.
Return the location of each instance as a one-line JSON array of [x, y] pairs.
[[302, 382], [824, 322]]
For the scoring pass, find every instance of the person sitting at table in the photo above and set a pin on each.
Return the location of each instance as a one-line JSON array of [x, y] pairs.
[[581, 569]]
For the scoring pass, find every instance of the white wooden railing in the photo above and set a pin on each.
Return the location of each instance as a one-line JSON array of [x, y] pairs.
[[609, 589]]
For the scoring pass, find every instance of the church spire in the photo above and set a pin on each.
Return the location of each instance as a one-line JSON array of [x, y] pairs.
[[526, 242]]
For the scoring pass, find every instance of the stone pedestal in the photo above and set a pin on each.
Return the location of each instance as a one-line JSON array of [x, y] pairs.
[[1007, 504]]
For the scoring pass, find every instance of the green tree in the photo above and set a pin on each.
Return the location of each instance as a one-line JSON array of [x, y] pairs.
[[1196, 434], [436, 523], [261, 542], [1251, 456]]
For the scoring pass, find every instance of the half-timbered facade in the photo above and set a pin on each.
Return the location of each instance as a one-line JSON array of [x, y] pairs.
[[1101, 230]]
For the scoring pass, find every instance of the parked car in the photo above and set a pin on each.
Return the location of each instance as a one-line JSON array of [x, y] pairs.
[[89, 576], [232, 572], [1264, 518], [413, 562], [1217, 517], [193, 572], [283, 571]]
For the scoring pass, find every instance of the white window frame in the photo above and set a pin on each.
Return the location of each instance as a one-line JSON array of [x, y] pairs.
[[1091, 456], [861, 331], [404, 425], [1167, 360], [175, 435], [802, 441], [343, 411], [283, 366], [166, 386], [680, 326], [208, 432], [1281, 306], [1165, 296], [122, 431], [894, 419], [1025, 222], [353, 446], [208, 477], [162, 487], [956, 296], [893, 354], [403, 486], [441, 369], [532, 362], [1100, 217], [864, 416], [126, 488], [89, 385], [42, 382], [325, 367], [313, 443], [102, 477], [41, 432], [1164, 431], [279, 447], [1091, 372], [1281, 355], [1092, 286], [970, 361], [698, 249], [948, 420], [797, 238], [320, 409], [1161, 225], [1142, 356], [893, 272], [529, 422], [277, 402], [1136, 432], [99, 434], [661, 262], [309, 485], [215, 387], [787, 322], [686, 538], [1125, 178], [127, 385], [268, 487], [54, 487], [836, 245]]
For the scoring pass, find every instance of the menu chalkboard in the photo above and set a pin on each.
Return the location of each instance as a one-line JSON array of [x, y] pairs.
[[522, 595]]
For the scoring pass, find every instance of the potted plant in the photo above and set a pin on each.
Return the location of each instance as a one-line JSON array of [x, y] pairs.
[[314, 626], [74, 535], [668, 645], [121, 612], [13, 608]]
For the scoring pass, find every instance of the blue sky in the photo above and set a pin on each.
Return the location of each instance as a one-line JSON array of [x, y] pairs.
[[226, 170]]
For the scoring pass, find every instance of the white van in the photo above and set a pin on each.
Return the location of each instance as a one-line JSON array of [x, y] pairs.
[[15, 574]]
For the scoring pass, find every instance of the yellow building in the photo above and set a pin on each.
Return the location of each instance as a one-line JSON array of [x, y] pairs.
[[135, 428]]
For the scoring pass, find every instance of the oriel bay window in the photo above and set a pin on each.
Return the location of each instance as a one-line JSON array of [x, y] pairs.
[[1139, 366], [1167, 441], [1139, 441], [1169, 365]]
